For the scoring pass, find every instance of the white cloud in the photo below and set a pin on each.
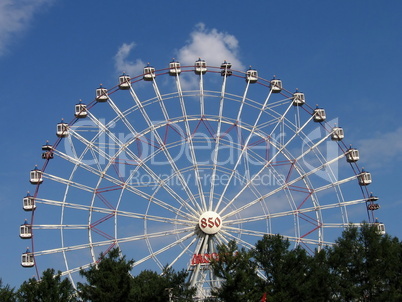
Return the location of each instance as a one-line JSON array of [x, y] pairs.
[[383, 149], [212, 46], [124, 65], [15, 17]]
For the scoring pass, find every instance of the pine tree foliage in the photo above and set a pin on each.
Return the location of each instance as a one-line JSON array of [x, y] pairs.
[[51, 287], [109, 280], [366, 265], [6, 292], [363, 265], [239, 275], [150, 286]]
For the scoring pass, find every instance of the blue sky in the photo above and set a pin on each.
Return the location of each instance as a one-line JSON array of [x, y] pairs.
[[345, 55]]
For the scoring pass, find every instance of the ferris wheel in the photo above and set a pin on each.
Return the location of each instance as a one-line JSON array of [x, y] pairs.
[[170, 163]]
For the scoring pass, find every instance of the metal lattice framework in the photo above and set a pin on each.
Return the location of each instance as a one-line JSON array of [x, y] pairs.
[[168, 164]]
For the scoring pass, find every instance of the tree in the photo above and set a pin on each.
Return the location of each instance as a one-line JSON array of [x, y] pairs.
[[109, 280], [150, 286], [49, 288], [288, 272], [6, 293], [366, 265], [240, 280]]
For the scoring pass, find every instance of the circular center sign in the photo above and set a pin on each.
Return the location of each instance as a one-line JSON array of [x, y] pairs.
[[210, 222]]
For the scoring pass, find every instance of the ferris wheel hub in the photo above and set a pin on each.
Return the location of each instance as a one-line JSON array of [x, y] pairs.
[[210, 222]]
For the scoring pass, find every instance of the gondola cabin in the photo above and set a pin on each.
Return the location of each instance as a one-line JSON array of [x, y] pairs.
[[62, 129], [149, 73], [200, 67], [337, 134], [364, 178], [352, 155], [124, 82], [298, 99], [275, 85], [380, 227], [35, 176], [251, 75], [373, 206], [47, 155], [226, 69], [80, 110], [319, 115], [101, 94], [48, 151], [27, 259], [28, 203], [174, 68], [25, 230]]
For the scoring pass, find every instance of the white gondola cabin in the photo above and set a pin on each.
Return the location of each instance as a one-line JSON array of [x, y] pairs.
[[319, 115], [35, 176], [298, 99], [380, 227], [27, 259], [200, 66], [174, 68], [364, 178], [101, 94], [275, 85], [337, 134], [124, 82], [25, 230], [80, 110], [226, 69], [251, 75], [352, 155], [62, 129], [149, 73], [28, 203]]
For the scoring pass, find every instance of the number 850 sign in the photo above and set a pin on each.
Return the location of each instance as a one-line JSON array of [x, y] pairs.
[[210, 222]]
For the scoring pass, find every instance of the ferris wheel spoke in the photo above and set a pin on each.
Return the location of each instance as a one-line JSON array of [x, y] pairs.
[[164, 249], [68, 182], [122, 117], [108, 211], [165, 150], [189, 139], [287, 185], [238, 239], [59, 227], [259, 234], [201, 82], [217, 142], [140, 163], [280, 120], [160, 100], [244, 148], [264, 167], [336, 183], [293, 212], [113, 241], [180, 255]]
